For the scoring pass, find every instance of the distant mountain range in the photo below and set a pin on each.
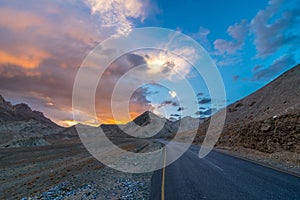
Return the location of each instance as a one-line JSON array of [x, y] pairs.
[[149, 125], [20, 126], [268, 120]]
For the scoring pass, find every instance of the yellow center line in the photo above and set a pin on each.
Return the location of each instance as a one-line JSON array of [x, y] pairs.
[[163, 176]]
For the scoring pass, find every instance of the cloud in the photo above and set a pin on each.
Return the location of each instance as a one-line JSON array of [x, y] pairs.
[[236, 77], [168, 103], [170, 65], [22, 20], [202, 33], [29, 59], [204, 101], [202, 37], [270, 32], [207, 112], [275, 68], [256, 68], [42, 46], [140, 96], [238, 32], [229, 60], [180, 109], [136, 60], [117, 13], [123, 64], [30, 34]]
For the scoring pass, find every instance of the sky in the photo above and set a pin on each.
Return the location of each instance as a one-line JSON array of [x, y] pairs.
[[43, 44]]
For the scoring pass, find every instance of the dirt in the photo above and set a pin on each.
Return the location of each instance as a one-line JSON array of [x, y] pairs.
[[65, 172]]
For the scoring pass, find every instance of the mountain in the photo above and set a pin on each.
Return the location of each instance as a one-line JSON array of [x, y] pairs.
[[268, 120], [21, 126], [145, 118], [149, 125]]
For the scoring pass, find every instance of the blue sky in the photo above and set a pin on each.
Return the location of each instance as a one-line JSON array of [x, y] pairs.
[[250, 63], [43, 44]]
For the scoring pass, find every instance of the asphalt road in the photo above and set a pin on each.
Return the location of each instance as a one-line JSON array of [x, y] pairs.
[[220, 176]]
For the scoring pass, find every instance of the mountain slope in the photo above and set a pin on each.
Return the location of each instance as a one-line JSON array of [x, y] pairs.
[[21, 126], [149, 125], [267, 120]]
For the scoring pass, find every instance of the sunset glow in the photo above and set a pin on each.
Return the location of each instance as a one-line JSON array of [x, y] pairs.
[[44, 43]]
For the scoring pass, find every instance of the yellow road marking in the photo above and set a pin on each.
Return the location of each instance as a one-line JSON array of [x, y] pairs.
[[163, 176]]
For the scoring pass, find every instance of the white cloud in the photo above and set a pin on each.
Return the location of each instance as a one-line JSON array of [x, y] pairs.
[[166, 65], [116, 13], [173, 94]]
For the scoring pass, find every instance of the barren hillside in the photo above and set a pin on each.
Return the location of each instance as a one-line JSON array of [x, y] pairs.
[[267, 121]]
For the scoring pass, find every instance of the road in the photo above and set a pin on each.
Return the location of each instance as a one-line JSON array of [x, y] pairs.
[[219, 176]]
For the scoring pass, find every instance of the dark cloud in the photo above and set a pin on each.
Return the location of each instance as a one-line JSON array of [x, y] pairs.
[[168, 67], [207, 112], [180, 109], [204, 101], [140, 96], [236, 77], [49, 91], [168, 102], [270, 35], [123, 64], [136, 60], [275, 68]]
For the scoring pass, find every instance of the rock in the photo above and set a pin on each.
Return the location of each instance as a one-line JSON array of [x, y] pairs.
[[265, 127]]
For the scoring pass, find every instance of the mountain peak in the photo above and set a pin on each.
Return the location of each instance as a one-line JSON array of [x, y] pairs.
[[145, 118], [21, 112], [22, 107]]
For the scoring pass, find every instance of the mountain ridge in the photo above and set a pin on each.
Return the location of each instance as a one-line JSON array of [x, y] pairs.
[[22, 126]]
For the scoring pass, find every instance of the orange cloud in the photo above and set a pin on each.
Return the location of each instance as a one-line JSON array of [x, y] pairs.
[[29, 59], [66, 123]]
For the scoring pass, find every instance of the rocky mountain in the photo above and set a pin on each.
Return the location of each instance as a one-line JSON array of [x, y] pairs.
[[149, 125], [21, 126], [268, 120]]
